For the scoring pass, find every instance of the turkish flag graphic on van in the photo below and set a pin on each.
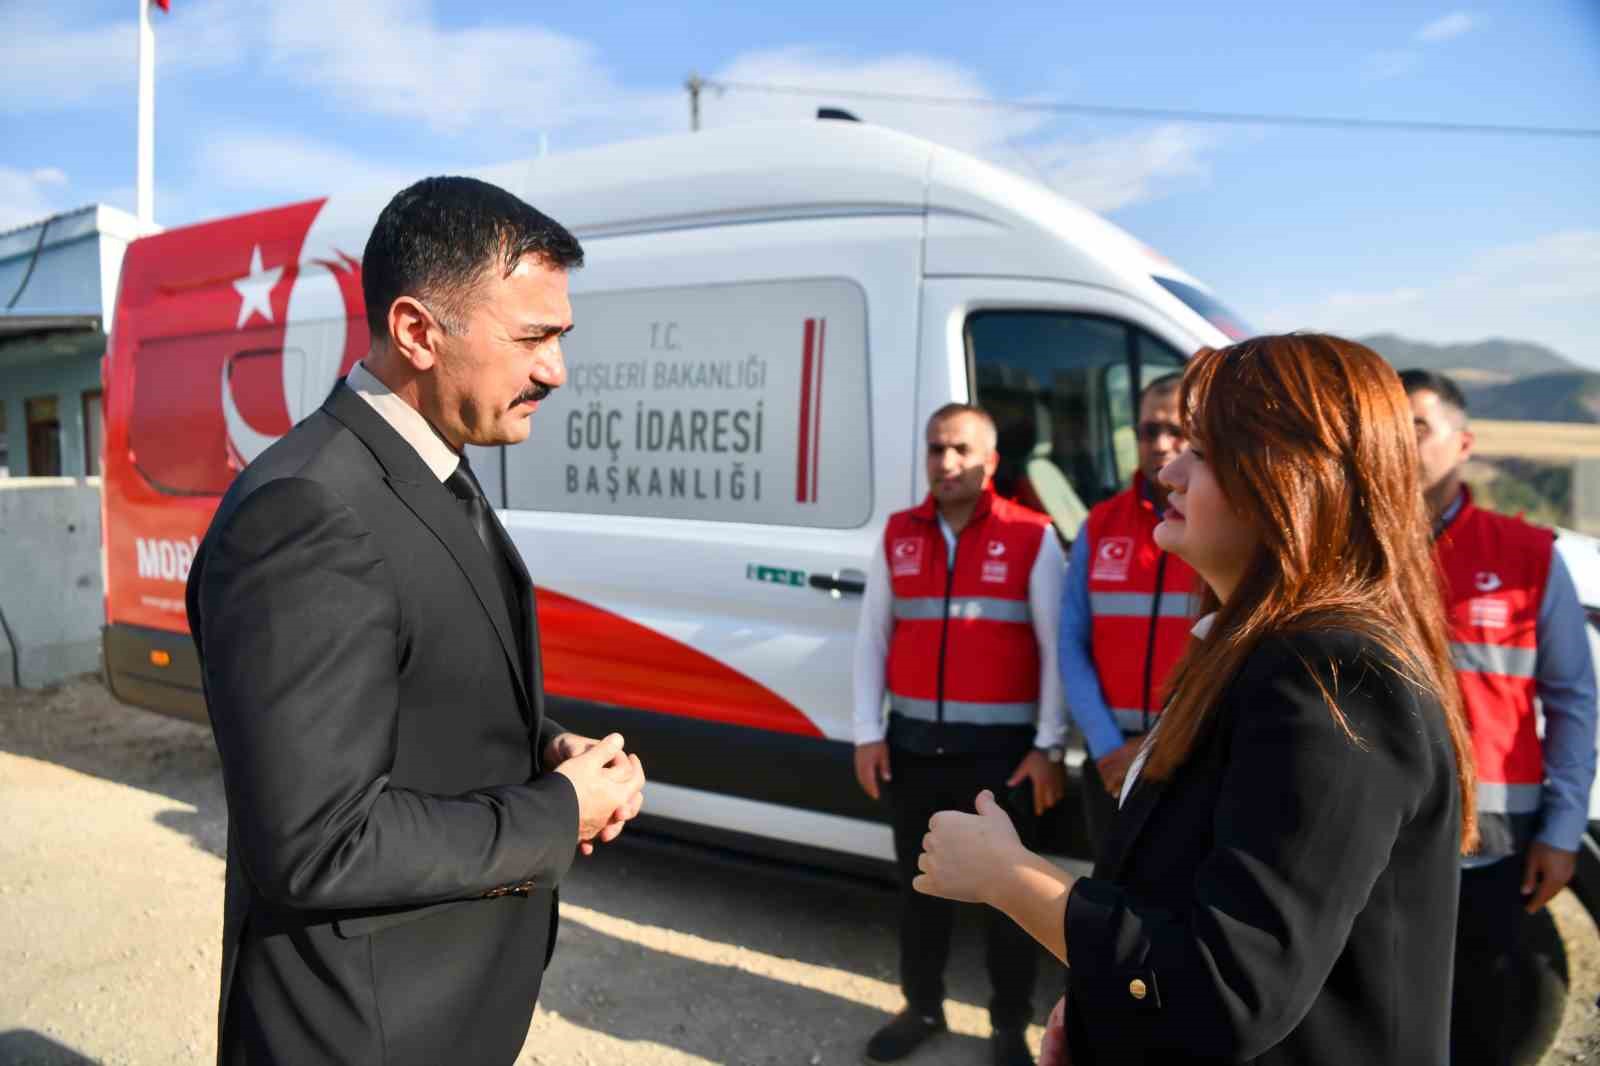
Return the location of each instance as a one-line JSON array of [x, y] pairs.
[[238, 337]]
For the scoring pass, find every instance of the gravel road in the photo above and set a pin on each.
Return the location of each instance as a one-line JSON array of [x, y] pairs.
[[111, 899]]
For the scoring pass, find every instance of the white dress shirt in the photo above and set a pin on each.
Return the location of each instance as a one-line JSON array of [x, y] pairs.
[[877, 624], [1199, 631], [406, 421]]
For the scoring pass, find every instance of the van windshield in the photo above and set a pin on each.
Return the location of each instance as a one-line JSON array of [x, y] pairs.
[[1207, 307]]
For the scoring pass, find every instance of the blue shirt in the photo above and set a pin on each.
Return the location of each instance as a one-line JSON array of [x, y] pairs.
[[1086, 704], [1565, 682]]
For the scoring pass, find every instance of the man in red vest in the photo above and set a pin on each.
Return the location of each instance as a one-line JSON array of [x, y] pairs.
[[1127, 608], [958, 628], [1518, 637]]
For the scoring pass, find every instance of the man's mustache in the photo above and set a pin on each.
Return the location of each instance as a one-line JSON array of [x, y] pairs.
[[532, 394]]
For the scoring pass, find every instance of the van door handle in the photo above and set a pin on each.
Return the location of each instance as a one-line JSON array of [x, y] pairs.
[[841, 583]]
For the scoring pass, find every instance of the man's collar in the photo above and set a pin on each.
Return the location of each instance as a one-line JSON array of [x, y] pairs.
[[1144, 490], [928, 509], [1453, 511], [406, 420]]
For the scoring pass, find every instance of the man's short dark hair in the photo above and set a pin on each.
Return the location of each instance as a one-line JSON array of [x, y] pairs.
[[436, 240], [1161, 386], [951, 410], [1436, 383]]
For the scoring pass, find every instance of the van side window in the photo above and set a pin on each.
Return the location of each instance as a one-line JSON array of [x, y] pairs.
[[177, 435], [1059, 386], [724, 403], [1156, 359]]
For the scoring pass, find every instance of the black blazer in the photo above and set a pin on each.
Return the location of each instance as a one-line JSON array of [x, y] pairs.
[[380, 725], [1286, 896]]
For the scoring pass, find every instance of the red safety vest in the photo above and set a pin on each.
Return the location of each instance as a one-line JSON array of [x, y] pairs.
[[963, 647], [1495, 569], [1143, 603]]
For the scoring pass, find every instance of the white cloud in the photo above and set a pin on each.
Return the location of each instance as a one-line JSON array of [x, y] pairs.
[[1452, 25], [56, 56], [496, 81], [1545, 290], [492, 90], [1104, 173], [1114, 172], [972, 129], [28, 196], [280, 167], [1388, 63]]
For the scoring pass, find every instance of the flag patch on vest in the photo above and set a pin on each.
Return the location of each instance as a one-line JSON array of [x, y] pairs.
[[1486, 613], [905, 556], [1112, 559]]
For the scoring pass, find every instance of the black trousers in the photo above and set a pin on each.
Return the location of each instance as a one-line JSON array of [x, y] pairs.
[[1099, 808], [923, 785], [1507, 997]]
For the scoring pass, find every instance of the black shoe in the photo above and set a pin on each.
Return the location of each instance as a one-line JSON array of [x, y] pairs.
[[1010, 1048], [907, 1032]]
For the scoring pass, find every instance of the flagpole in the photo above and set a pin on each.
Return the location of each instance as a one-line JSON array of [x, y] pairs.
[[147, 116]]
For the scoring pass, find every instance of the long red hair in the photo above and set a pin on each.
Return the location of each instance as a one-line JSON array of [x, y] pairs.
[[1311, 440]]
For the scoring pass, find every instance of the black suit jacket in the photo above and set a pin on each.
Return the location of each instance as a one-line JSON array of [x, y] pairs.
[[380, 725], [1286, 896]]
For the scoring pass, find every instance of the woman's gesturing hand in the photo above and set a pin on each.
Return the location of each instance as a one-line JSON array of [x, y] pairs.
[[963, 853]]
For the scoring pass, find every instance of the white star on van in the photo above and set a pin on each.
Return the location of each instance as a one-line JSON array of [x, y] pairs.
[[255, 291]]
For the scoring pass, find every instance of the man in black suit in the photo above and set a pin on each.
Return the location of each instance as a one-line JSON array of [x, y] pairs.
[[400, 809]]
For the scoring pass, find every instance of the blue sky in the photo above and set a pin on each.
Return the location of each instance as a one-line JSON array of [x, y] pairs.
[[1443, 238]]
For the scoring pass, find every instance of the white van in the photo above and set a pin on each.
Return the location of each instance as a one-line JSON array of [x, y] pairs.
[[766, 318]]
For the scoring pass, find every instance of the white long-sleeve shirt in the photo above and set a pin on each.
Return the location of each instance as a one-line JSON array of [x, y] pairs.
[[877, 625]]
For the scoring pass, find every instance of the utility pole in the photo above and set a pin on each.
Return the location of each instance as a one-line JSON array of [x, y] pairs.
[[694, 85], [146, 176]]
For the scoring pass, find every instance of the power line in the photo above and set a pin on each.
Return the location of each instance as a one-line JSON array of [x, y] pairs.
[[1236, 118]]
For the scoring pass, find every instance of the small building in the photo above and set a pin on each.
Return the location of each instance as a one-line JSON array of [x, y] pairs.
[[58, 292]]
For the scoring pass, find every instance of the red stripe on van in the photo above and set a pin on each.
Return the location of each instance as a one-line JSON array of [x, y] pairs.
[[802, 478], [816, 409], [593, 654]]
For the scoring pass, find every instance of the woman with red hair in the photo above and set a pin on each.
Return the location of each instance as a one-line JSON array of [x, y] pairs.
[[1281, 883]]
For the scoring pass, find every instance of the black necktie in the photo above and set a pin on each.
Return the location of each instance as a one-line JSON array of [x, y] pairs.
[[466, 489]]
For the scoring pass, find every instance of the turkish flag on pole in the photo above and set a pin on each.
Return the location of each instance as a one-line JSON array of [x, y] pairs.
[[165, 5]]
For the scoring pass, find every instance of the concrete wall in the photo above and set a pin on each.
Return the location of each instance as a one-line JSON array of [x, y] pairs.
[[50, 583]]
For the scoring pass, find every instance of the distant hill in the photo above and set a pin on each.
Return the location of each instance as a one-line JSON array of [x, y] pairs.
[[1492, 360], [1502, 379], [1568, 397]]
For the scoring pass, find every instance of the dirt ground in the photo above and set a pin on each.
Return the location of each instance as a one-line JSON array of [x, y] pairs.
[[112, 828]]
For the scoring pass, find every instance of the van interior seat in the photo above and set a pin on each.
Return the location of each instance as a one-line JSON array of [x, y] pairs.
[[1050, 486], [1061, 502]]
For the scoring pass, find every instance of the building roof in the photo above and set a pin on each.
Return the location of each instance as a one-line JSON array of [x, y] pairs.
[[60, 273]]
